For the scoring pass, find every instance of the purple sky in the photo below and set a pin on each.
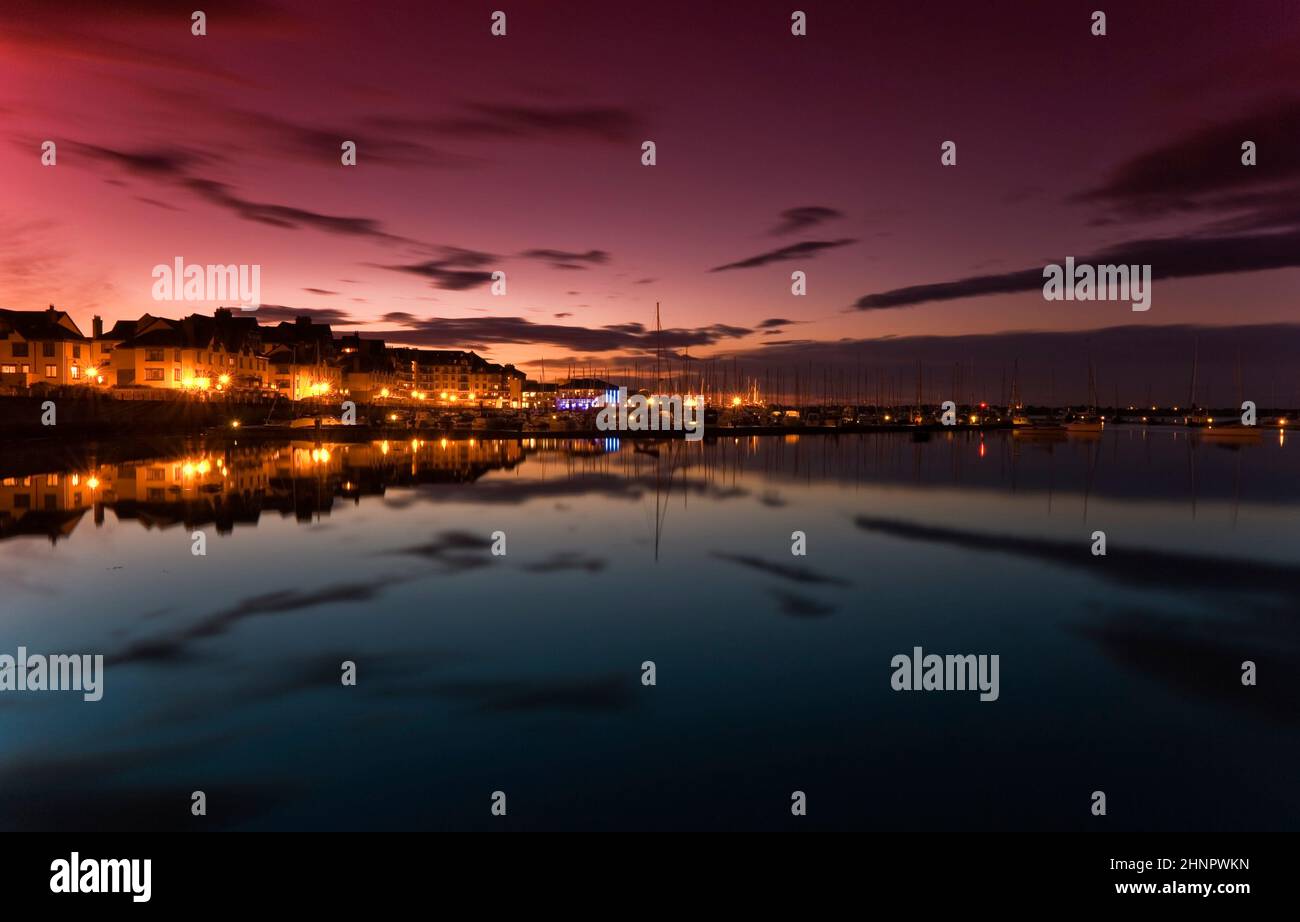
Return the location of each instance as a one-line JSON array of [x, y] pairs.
[[522, 153]]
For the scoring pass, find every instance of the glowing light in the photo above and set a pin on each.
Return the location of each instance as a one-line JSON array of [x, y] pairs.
[[224, 379], [234, 424], [203, 466], [383, 392], [735, 401], [471, 397], [187, 469], [383, 448], [392, 417], [973, 420], [93, 483]]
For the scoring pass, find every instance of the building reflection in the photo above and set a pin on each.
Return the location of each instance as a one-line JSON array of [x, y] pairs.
[[225, 483], [232, 484]]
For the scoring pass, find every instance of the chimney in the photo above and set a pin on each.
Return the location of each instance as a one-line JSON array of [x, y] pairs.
[[97, 327]]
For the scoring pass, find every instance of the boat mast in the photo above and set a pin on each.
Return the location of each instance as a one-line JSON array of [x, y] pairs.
[[659, 346]]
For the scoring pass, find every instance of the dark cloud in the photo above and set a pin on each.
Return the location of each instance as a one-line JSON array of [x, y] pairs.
[[773, 322], [800, 606], [1150, 568], [322, 145], [795, 220], [452, 551], [456, 332], [457, 269], [489, 121], [808, 249], [1140, 361], [1201, 657], [1194, 172], [1169, 257], [1252, 219], [331, 315], [565, 259], [176, 165], [320, 291], [286, 216], [156, 203], [168, 163], [174, 647], [797, 574]]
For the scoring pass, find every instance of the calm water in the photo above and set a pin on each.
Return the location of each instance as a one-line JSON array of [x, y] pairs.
[[522, 673]]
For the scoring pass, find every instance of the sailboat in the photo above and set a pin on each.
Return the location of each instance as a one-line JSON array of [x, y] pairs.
[[1022, 426], [1229, 429], [1089, 422]]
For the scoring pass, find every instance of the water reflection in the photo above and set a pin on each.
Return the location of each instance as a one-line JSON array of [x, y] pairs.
[[227, 483], [222, 671]]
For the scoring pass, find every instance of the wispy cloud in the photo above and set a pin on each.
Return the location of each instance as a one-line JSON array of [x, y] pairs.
[[808, 249], [797, 220]]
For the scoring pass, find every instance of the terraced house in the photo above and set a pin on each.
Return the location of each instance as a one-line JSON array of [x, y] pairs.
[[369, 371], [41, 347], [449, 377], [302, 359], [218, 353]]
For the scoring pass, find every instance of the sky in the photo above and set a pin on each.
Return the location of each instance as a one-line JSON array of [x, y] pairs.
[[820, 153]]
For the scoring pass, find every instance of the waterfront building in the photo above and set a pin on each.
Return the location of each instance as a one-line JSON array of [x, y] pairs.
[[199, 354], [450, 378], [584, 394], [368, 370], [42, 347], [537, 395], [301, 360]]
